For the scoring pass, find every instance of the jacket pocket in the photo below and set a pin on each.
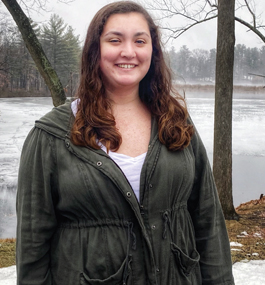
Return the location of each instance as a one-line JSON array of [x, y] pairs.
[[186, 263], [121, 277]]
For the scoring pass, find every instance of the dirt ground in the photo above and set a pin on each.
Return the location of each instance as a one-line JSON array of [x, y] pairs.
[[247, 236]]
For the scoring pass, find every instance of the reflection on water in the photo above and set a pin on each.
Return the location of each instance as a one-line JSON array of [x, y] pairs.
[[18, 115], [248, 178]]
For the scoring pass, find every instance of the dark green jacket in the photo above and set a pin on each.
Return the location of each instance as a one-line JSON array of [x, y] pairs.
[[79, 221]]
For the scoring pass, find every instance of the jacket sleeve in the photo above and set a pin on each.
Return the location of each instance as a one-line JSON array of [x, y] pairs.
[[36, 220], [210, 230]]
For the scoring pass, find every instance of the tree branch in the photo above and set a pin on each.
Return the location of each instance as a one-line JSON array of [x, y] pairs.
[[196, 12], [252, 28], [252, 13], [182, 30]]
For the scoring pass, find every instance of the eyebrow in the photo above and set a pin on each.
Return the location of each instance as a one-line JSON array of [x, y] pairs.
[[121, 34]]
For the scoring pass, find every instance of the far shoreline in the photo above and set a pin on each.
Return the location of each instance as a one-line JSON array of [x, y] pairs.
[[256, 89], [180, 87]]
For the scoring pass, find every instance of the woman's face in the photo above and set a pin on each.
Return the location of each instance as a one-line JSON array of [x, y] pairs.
[[125, 50]]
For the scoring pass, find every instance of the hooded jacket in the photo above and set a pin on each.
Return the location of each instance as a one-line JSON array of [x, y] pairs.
[[79, 221]]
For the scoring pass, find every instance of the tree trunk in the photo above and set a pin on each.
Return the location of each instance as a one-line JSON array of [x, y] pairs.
[[35, 49], [222, 158]]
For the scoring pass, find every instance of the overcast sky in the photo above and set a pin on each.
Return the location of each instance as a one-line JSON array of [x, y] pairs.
[[79, 13]]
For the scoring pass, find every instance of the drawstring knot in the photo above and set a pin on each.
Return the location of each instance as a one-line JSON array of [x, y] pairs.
[[167, 223]]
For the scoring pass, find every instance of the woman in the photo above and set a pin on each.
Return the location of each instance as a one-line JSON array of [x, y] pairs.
[[115, 187]]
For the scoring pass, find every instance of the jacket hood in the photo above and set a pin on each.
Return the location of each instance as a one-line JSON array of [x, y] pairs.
[[58, 121]]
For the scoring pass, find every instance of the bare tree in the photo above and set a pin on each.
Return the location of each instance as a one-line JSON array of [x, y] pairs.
[[194, 12], [34, 47], [222, 155]]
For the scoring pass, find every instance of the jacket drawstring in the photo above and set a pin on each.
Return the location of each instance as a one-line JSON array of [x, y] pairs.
[[167, 223], [132, 234], [132, 244]]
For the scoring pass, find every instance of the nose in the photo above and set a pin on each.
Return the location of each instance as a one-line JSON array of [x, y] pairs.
[[128, 51]]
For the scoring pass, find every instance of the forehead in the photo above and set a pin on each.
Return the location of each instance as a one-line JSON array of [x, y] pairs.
[[127, 21]]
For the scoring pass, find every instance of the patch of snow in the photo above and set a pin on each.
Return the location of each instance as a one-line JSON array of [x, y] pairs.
[[244, 260], [249, 273], [233, 243], [8, 275], [243, 234]]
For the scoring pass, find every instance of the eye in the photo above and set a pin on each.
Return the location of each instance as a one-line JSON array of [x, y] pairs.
[[140, 41], [114, 40]]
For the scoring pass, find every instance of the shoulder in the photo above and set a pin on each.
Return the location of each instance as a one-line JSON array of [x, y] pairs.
[[58, 121], [197, 146]]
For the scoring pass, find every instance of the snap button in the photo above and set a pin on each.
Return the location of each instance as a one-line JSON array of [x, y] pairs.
[[153, 227], [129, 194], [141, 206], [67, 144], [157, 270], [99, 163], [150, 185]]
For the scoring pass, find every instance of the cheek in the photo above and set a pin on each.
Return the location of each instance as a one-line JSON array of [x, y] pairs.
[[107, 61], [108, 54], [146, 59], [146, 56]]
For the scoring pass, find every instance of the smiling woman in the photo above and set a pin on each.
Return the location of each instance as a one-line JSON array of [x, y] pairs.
[[115, 187]]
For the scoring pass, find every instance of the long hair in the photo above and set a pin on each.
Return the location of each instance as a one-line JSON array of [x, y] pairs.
[[94, 123]]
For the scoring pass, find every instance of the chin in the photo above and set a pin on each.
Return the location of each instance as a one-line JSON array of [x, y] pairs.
[[127, 82]]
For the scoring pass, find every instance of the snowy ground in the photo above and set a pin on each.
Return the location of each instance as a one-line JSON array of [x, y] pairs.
[[245, 273], [17, 116]]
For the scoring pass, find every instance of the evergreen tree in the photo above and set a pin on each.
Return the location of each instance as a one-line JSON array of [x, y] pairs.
[[61, 47], [18, 71], [183, 62]]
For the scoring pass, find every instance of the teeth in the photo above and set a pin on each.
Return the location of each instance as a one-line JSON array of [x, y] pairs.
[[126, 65]]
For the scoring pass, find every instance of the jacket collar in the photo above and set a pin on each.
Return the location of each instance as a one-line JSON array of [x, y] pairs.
[[59, 121]]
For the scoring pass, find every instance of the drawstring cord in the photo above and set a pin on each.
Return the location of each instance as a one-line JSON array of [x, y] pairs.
[[167, 223], [131, 243], [132, 234]]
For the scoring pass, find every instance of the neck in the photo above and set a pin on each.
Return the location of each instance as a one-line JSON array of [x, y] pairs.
[[124, 96]]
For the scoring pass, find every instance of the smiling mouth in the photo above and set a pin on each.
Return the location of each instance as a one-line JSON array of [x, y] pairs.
[[127, 66]]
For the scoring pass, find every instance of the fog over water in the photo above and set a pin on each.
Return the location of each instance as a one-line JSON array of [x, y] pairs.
[[17, 116]]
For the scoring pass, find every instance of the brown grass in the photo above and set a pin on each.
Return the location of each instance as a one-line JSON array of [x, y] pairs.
[[248, 231], [5, 93], [7, 252], [259, 89]]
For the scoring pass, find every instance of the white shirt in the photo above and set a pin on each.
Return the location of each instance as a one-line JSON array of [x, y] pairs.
[[130, 166]]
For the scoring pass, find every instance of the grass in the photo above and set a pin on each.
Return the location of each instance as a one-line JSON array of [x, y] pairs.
[[249, 232], [7, 252]]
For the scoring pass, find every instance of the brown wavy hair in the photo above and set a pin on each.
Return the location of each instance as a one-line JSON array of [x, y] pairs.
[[93, 120]]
